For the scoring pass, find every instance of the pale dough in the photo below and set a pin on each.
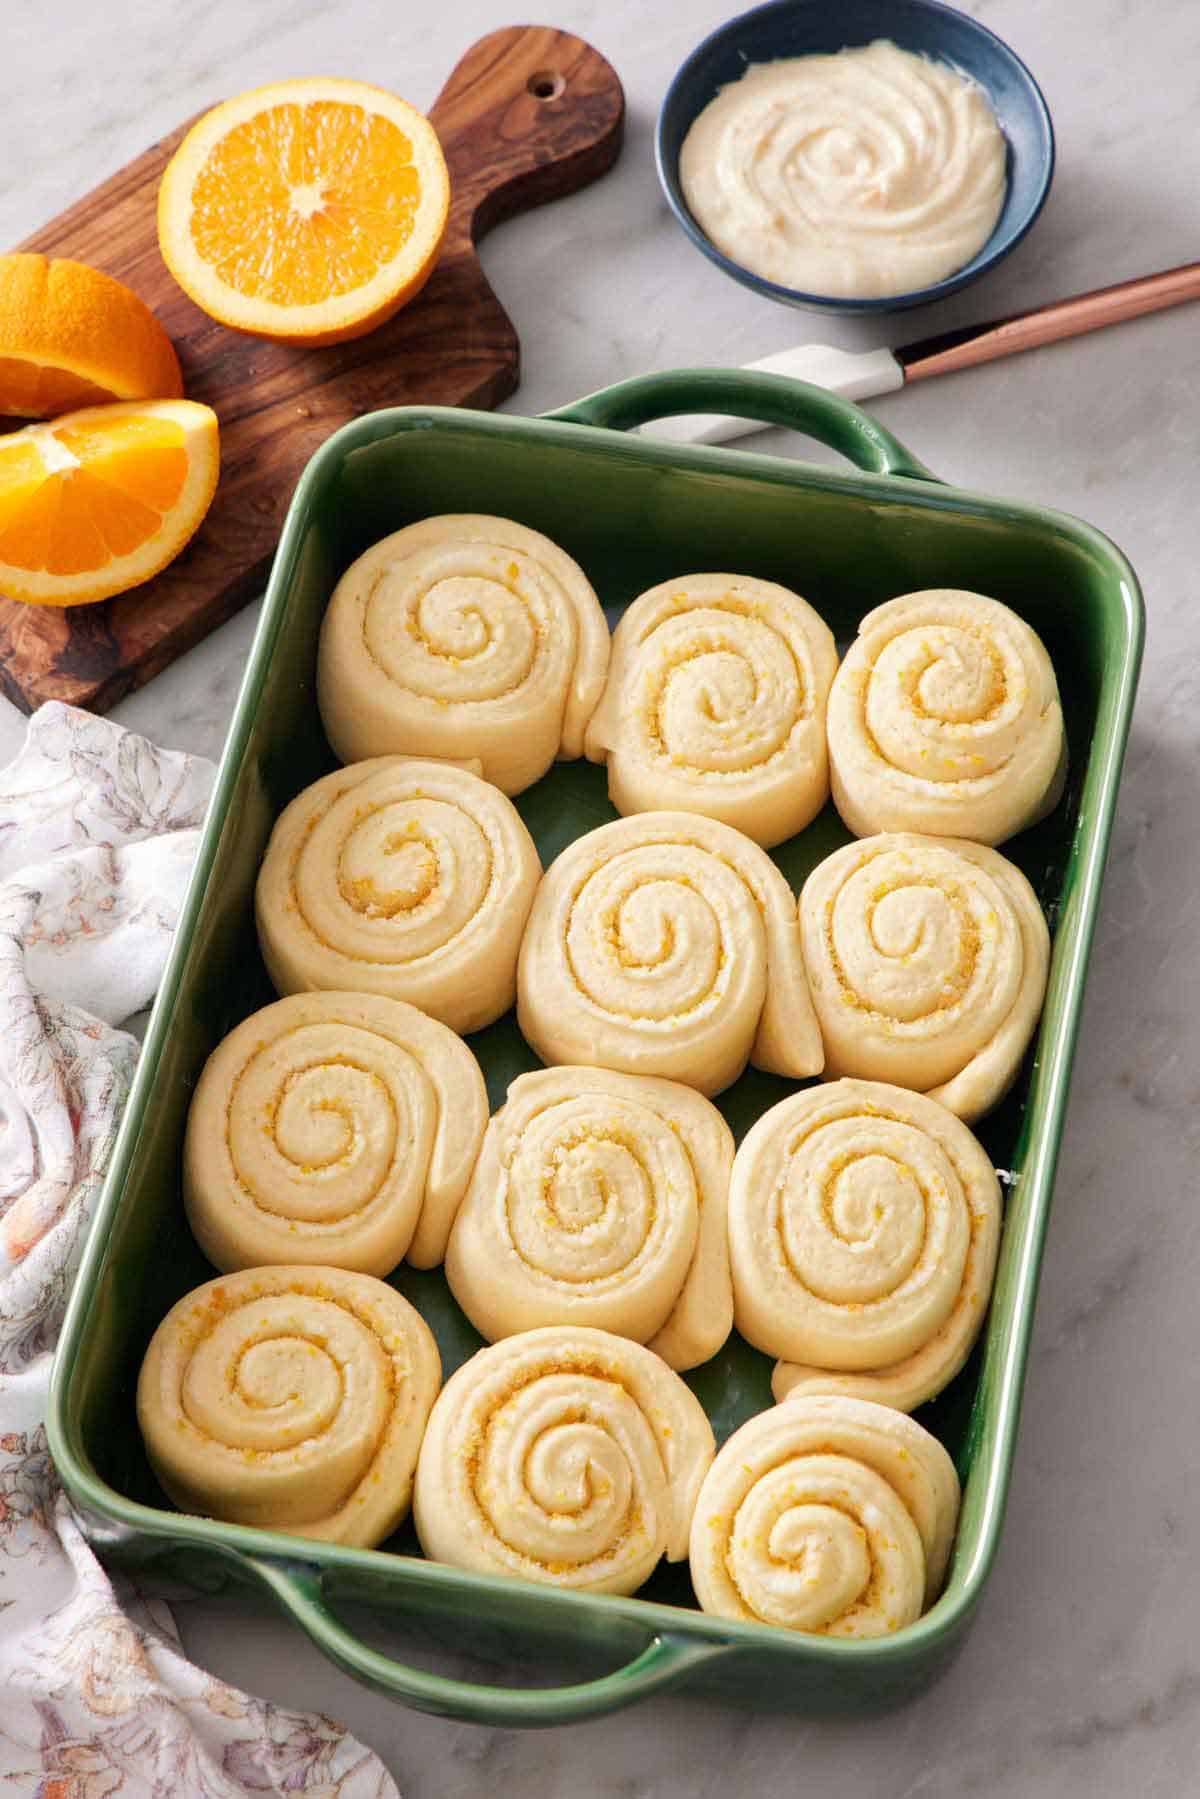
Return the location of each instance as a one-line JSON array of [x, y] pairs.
[[291, 1399], [864, 1222], [829, 1515], [463, 635], [944, 718], [715, 703], [408, 878], [927, 961], [338, 1128], [565, 1456], [600, 1199], [667, 944]]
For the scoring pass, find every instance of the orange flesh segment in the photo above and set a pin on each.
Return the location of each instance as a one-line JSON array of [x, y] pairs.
[[304, 202], [36, 390], [71, 520]]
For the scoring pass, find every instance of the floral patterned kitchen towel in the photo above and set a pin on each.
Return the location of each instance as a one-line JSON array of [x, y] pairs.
[[98, 829]]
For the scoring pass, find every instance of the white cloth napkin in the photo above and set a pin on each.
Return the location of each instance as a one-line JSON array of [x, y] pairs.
[[98, 829]]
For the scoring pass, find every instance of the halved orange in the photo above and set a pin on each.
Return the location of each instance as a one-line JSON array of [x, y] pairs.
[[99, 500], [72, 336], [309, 210]]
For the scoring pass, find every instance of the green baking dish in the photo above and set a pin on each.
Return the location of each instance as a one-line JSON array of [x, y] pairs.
[[633, 512]]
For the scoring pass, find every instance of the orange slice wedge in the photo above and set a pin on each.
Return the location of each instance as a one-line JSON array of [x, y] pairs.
[[309, 210], [101, 499], [72, 336]]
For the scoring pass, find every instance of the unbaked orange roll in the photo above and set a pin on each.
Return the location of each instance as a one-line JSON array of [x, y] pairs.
[[600, 1199], [292, 1399], [463, 635], [338, 1128], [715, 703], [944, 718], [667, 944], [407, 878], [927, 961], [830, 1515], [565, 1456], [864, 1222]]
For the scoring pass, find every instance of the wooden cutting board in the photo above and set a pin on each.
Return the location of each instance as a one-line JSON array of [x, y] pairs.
[[529, 114]]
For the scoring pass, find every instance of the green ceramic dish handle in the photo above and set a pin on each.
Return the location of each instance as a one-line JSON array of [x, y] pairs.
[[664, 1661], [745, 394]]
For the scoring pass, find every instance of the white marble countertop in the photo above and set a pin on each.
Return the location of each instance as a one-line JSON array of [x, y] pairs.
[[1082, 1675]]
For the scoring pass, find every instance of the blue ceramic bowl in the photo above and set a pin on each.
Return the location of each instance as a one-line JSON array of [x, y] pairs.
[[807, 27]]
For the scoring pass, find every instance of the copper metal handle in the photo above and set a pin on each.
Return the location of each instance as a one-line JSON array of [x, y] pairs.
[[1047, 324]]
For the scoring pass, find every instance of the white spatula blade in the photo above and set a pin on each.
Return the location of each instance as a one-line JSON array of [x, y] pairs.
[[856, 375]]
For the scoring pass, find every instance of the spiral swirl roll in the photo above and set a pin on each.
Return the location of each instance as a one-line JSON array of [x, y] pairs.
[[927, 960], [407, 878], [336, 1128], [829, 1515], [944, 718], [600, 1199], [667, 944], [463, 635], [566, 1456], [868, 173], [864, 1223], [292, 1399], [715, 703]]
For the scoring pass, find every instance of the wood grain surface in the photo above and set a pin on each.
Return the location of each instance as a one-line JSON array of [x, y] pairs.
[[529, 114]]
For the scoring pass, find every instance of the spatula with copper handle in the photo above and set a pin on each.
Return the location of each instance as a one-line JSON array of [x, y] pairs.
[[862, 375]]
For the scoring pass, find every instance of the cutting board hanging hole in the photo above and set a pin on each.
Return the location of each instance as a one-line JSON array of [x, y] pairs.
[[546, 84]]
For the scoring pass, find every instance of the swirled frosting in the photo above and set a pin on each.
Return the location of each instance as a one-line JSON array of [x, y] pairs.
[[865, 174]]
